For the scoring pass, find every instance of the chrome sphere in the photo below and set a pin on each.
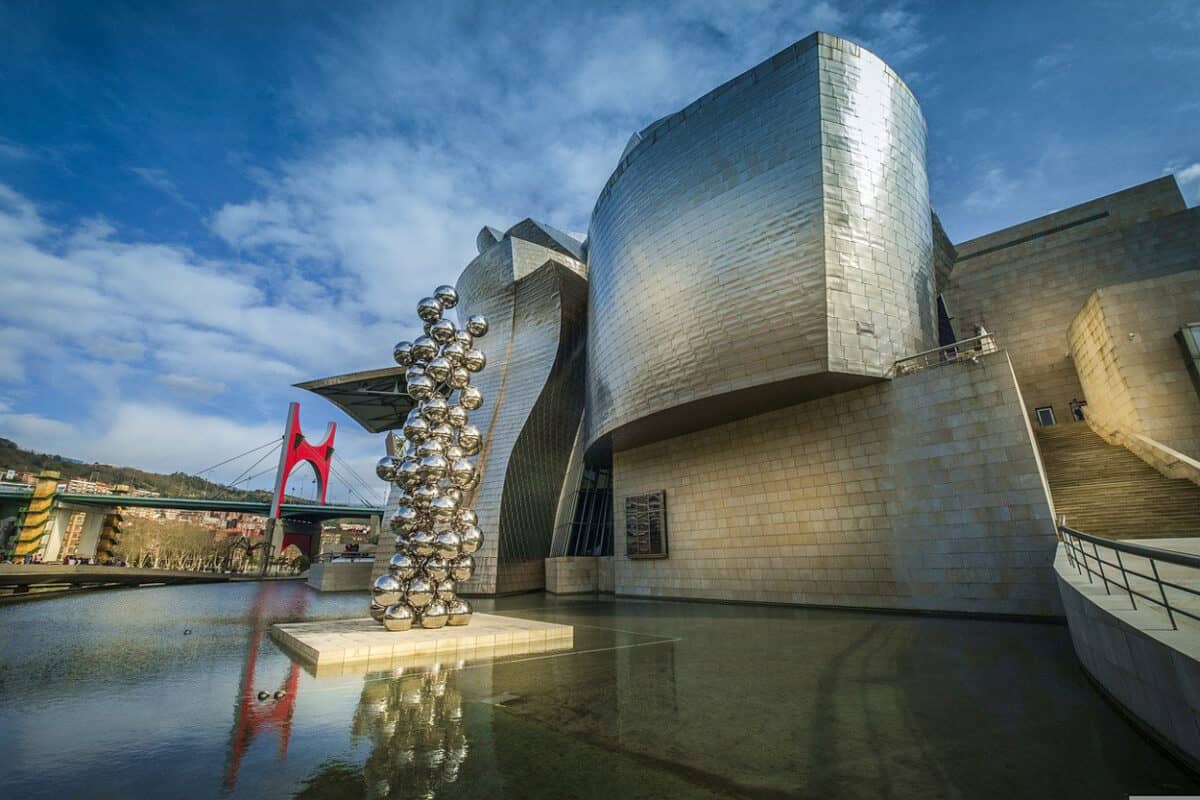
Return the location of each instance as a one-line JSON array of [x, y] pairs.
[[422, 543], [466, 516], [459, 378], [377, 611], [446, 295], [442, 509], [454, 352], [456, 416], [455, 494], [433, 468], [470, 439], [403, 566], [434, 410], [462, 472], [429, 309], [424, 349], [470, 538], [420, 592], [387, 590], [453, 453], [409, 473], [445, 590], [435, 615], [420, 388], [436, 568], [464, 338], [442, 331], [448, 544], [459, 612], [477, 325], [471, 398], [443, 433], [474, 360], [398, 617], [414, 371], [439, 369], [462, 568], [385, 468], [403, 519], [424, 495], [431, 447], [402, 352]]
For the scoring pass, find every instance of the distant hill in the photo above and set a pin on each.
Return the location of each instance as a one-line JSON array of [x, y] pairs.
[[177, 484]]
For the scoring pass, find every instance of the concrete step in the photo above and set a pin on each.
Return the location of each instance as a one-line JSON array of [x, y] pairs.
[[1108, 491]]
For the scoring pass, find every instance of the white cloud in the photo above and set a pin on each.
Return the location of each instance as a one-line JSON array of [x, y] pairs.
[[1189, 182]]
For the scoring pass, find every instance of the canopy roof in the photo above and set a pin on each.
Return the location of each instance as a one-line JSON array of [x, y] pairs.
[[377, 399]]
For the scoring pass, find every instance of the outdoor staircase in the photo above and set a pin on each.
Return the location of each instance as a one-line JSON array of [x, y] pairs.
[[1105, 490]]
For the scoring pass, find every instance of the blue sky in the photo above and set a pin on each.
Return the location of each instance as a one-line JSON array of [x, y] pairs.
[[203, 203]]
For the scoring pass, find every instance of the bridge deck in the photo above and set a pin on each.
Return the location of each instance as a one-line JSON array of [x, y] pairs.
[[48, 574]]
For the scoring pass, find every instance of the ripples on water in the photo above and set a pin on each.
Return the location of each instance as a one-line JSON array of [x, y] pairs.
[[154, 692]]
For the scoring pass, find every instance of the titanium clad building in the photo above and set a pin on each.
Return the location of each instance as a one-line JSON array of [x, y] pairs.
[[769, 376], [769, 243]]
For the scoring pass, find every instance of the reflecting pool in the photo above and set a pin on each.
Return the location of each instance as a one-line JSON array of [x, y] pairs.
[[155, 692]]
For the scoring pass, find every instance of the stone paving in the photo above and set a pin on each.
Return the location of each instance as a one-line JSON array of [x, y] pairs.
[[330, 646]]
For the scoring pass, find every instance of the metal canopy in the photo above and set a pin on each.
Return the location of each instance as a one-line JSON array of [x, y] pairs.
[[377, 399]]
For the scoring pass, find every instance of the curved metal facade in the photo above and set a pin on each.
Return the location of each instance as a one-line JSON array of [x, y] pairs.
[[533, 291], [767, 244]]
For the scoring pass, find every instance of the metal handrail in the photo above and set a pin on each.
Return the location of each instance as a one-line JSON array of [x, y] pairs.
[[1082, 560], [962, 350]]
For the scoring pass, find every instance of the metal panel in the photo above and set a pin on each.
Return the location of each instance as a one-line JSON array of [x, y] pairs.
[[775, 233]]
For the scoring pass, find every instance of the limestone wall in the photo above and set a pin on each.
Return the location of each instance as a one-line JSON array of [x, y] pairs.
[[921, 493], [1131, 368], [1026, 284], [572, 574]]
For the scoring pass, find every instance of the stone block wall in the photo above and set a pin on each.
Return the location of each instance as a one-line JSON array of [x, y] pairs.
[[572, 574], [1025, 284], [1133, 373], [921, 493]]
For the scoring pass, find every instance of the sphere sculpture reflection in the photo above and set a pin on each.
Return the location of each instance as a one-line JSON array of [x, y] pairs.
[[436, 534]]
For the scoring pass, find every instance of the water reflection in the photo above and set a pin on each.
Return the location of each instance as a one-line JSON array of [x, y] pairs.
[[273, 713], [415, 725]]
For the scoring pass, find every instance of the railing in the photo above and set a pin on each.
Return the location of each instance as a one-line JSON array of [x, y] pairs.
[[963, 350], [1150, 587], [344, 557]]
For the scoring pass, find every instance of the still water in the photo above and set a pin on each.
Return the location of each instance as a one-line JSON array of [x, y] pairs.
[[153, 692]]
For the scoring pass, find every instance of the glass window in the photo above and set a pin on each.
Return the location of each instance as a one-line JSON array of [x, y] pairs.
[[1045, 415]]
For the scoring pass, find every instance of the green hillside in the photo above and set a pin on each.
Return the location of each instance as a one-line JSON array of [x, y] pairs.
[[177, 484]]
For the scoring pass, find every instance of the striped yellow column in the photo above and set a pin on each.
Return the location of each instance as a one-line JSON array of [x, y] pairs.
[[33, 527], [110, 534]]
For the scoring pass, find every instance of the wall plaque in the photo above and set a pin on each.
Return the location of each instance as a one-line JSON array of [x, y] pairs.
[[646, 525]]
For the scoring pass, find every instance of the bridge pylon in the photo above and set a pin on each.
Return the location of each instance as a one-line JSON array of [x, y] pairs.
[[296, 449]]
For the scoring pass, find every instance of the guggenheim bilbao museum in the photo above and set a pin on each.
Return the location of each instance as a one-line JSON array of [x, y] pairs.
[[768, 375]]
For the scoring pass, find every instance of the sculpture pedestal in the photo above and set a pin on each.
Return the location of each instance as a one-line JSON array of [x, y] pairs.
[[358, 645]]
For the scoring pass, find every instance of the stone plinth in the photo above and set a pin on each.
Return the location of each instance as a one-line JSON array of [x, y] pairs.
[[333, 646], [341, 577]]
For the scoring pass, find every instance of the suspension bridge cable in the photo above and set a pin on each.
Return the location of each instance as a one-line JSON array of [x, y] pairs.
[[348, 485], [239, 455], [251, 477], [261, 458], [370, 488], [353, 491]]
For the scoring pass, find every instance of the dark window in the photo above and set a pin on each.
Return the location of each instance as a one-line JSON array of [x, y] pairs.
[[1045, 415], [591, 525]]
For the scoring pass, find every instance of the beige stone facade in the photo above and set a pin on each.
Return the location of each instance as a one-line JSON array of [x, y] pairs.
[[1025, 284], [1129, 363], [921, 493]]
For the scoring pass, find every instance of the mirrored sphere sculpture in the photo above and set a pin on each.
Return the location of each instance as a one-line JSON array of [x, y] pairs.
[[436, 530], [398, 617]]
